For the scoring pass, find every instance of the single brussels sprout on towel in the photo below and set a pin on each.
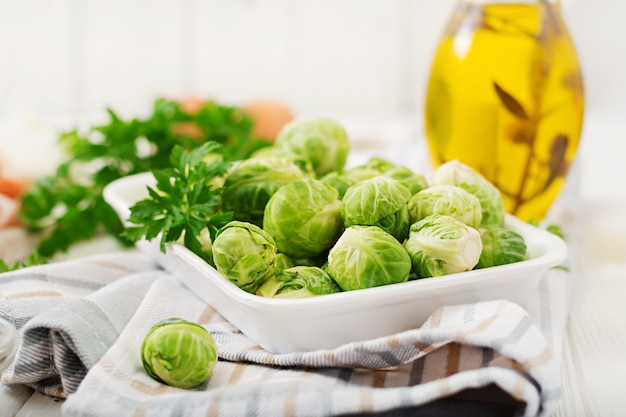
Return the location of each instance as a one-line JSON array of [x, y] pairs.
[[440, 245], [179, 353], [303, 218], [250, 184], [491, 202], [380, 201], [322, 141], [367, 256], [299, 282], [447, 200], [245, 254], [501, 246]]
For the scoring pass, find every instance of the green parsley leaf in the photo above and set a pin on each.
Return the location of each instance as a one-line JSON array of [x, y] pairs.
[[68, 207], [185, 201], [34, 259], [555, 229]]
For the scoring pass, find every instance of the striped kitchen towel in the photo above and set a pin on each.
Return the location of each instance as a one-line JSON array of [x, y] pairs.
[[459, 348], [67, 315]]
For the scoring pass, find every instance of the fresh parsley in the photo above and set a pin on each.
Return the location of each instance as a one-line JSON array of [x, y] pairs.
[[34, 259], [555, 229], [185, 202], [68, 207]]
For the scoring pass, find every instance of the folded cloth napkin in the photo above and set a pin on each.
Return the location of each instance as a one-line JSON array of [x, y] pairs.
[[69, 313], [81, 324]]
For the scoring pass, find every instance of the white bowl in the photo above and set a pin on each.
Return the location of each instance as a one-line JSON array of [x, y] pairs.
[[329, 321]]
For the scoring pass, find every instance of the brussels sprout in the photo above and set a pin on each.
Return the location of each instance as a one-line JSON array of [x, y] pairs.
[[372, 168], [249, 186], [501, 246], [339, 181], [303, 218], [299, 282], [245, 254], [376, 166], [449, 200], [380, 201], [322, 141], [360, 173], [272, 151], [379, 164], [367, 256], [491, 202], [414, 182], [283, 262], [440, 245], [179, 353]]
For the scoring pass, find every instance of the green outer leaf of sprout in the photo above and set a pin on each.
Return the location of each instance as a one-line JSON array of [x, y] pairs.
[[299, 282]]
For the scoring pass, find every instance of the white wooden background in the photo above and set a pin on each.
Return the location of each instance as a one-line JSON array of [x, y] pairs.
[[70, 59], [74, 57]]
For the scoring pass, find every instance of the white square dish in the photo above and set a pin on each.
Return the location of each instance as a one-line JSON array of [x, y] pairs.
[[329, 321]]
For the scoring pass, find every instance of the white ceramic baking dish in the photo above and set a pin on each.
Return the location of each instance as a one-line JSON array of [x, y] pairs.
[[286, 325]]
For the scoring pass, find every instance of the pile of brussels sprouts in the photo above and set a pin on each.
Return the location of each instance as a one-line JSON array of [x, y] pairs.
[[306, 226]]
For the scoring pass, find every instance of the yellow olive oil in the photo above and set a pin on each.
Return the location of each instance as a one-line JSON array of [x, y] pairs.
[[505, 96]]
